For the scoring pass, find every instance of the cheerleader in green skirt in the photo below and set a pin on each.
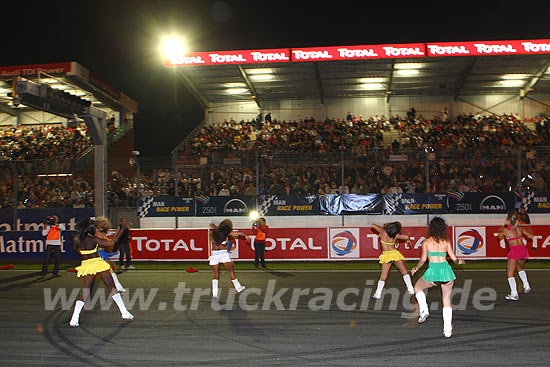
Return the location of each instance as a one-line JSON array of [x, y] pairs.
[[435, 248]]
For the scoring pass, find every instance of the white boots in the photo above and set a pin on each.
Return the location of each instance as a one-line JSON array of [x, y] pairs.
[[425, 312], [380, 287], [423, 305], [79, 305], [215, 290]]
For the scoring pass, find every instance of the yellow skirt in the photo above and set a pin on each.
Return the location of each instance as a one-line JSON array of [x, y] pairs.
[[92, 267], [389, 256]]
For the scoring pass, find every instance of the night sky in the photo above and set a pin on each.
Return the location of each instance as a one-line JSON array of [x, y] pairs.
[[118, 39]]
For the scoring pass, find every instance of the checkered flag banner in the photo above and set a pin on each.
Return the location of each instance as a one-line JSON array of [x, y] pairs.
[[525, 199], [392, 202], [144, 206], [264, 202]]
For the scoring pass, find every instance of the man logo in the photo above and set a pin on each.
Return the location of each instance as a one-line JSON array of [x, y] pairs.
[[344, 243], [235, 206], [493, 203], [470, 241]]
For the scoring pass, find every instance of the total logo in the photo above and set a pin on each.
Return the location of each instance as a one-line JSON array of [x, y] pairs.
[[344, 243], [470, 241]]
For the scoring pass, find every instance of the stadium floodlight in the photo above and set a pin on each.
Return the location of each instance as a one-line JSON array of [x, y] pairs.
[[372, 86], [512, 83], [514, 76], [172, 48], [236, 90], [408, 66], [261, 77], [254, 215], [407, 72]]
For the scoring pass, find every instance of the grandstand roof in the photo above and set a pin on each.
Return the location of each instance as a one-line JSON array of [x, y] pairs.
[[69, 77], [452, 69]]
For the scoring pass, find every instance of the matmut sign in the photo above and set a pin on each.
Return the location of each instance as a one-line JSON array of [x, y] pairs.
[[480, 48], [358, 52], [230, 57]]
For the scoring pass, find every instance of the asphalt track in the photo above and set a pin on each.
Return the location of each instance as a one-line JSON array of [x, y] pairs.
[[510, 334]]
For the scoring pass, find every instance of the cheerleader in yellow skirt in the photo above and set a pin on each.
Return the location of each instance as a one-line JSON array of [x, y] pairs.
[[93, 265], [390, 235]]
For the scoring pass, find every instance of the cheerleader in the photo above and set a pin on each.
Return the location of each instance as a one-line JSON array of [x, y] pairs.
[[102, 225], [220, 255], [390, 235], [435, 249], [93, 265], [517, 254]]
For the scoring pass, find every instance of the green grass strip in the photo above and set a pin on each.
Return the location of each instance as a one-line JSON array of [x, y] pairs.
[[292, 265]]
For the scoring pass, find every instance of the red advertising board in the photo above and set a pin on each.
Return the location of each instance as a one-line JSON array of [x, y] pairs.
[[288, 244], [230, 57], [169, 244], [480, 48], [334, 243], [488, 246], [359, 52], [32, 70]]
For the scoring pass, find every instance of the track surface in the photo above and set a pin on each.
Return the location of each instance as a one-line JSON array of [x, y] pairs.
[[511, 334]]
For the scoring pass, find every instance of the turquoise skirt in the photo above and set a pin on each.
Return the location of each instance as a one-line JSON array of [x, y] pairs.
[[439, 272]]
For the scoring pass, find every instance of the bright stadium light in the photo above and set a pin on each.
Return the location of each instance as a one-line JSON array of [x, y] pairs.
[[172, 48], [236, 90], [372, 86], [407, 72], [261, 77], [408, 66], [512, 83], [254, 215]]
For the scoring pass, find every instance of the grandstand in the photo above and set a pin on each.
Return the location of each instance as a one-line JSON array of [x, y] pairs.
[[44, 139], [290, 125]]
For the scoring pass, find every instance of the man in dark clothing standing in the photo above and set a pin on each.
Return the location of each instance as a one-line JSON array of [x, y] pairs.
[[124, 245], [260, 229]]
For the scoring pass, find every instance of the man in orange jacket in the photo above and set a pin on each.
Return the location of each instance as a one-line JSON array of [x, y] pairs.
[[52, 231], [260, 229]]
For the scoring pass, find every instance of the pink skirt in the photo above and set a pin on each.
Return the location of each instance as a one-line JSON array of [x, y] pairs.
[[518, 252]]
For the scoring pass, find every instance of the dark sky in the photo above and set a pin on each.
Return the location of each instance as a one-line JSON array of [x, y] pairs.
[[117, 39]]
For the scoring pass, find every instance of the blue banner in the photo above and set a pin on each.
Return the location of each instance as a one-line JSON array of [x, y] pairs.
[[224, 205], [29, 245], [288, 205], [480, 202], [534, 202], [166, 206], [33, 219], [416, 203]]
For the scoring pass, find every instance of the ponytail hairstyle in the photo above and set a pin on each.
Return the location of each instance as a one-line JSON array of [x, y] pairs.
[[102, 224], [86, 227], [438, 230], [221, 231], [393, 229], [512, 217]]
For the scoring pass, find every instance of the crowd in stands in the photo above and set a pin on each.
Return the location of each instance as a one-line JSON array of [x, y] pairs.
[[471, 153], [52, 142]]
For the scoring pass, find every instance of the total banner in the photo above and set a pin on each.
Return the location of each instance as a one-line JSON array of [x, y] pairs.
[[285, 244], [481, 242]]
